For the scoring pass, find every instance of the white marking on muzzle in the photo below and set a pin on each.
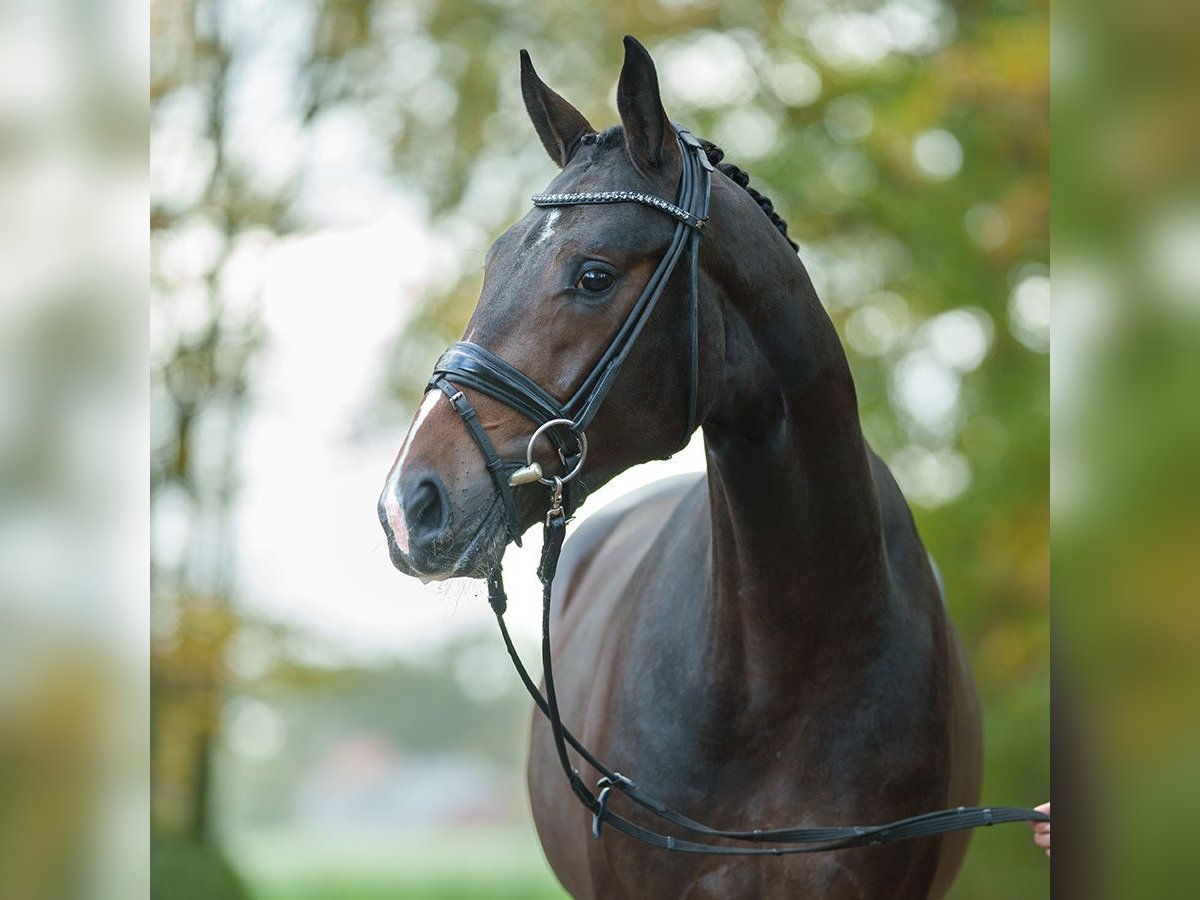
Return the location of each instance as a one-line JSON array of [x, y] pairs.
[[393, 503]]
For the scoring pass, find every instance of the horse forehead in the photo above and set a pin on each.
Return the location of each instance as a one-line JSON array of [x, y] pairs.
[[596, 167], [546, 236], [529, 247], [546, 231]]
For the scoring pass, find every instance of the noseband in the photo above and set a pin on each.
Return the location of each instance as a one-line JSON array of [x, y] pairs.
[[467, 364]]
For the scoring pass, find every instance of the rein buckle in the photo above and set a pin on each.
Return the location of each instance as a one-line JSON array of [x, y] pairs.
[[556, 502]]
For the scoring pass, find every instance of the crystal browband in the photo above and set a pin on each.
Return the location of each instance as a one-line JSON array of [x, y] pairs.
[[592, 197]]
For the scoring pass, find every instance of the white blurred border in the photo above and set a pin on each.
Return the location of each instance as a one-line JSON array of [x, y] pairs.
[[73, 465]]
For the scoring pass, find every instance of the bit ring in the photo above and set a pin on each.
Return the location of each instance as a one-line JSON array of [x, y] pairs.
[[579, 436]]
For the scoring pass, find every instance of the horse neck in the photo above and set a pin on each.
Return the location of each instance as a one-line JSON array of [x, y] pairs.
[[799, 568]]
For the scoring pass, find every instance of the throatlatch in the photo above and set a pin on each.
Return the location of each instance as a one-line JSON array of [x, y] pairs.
[[468, 365]]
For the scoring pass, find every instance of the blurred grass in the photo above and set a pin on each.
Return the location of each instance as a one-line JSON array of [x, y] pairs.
[[183, 870], [506, 862], [497, 862]]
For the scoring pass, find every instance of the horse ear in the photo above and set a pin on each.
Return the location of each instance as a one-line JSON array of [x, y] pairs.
[[558, 123], [649, 138]]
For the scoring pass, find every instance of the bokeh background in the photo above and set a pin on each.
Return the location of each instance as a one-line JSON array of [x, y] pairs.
[[325, 177]]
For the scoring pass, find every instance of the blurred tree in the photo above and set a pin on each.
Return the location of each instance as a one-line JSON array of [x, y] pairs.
[[202, 345]]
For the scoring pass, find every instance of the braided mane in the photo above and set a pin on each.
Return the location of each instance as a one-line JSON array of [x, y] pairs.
[[715, 154]]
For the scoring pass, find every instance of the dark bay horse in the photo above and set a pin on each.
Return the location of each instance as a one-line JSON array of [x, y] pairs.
[[764, 645]]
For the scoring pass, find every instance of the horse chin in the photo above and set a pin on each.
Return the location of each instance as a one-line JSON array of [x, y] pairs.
[[485, 549], [477, 558]]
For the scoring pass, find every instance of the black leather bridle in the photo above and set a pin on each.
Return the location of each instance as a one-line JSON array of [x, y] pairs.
[[466, 364]]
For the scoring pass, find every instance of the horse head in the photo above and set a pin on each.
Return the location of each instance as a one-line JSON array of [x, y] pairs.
[[559, 286]]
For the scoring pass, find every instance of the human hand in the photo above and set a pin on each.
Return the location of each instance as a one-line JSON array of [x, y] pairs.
[[1041, 830]]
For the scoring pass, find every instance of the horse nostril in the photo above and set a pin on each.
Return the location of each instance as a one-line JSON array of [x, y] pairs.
[[425, 510]]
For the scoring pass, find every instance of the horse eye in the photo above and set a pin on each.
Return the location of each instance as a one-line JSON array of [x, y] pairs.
[[596, 281]]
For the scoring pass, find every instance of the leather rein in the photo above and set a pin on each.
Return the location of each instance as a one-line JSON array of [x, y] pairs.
[[468, 365]]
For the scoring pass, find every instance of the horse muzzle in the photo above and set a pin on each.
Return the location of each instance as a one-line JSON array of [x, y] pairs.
[[434, 539]]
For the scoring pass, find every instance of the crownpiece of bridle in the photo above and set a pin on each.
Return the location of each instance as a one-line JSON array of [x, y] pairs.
[[466, 364]]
